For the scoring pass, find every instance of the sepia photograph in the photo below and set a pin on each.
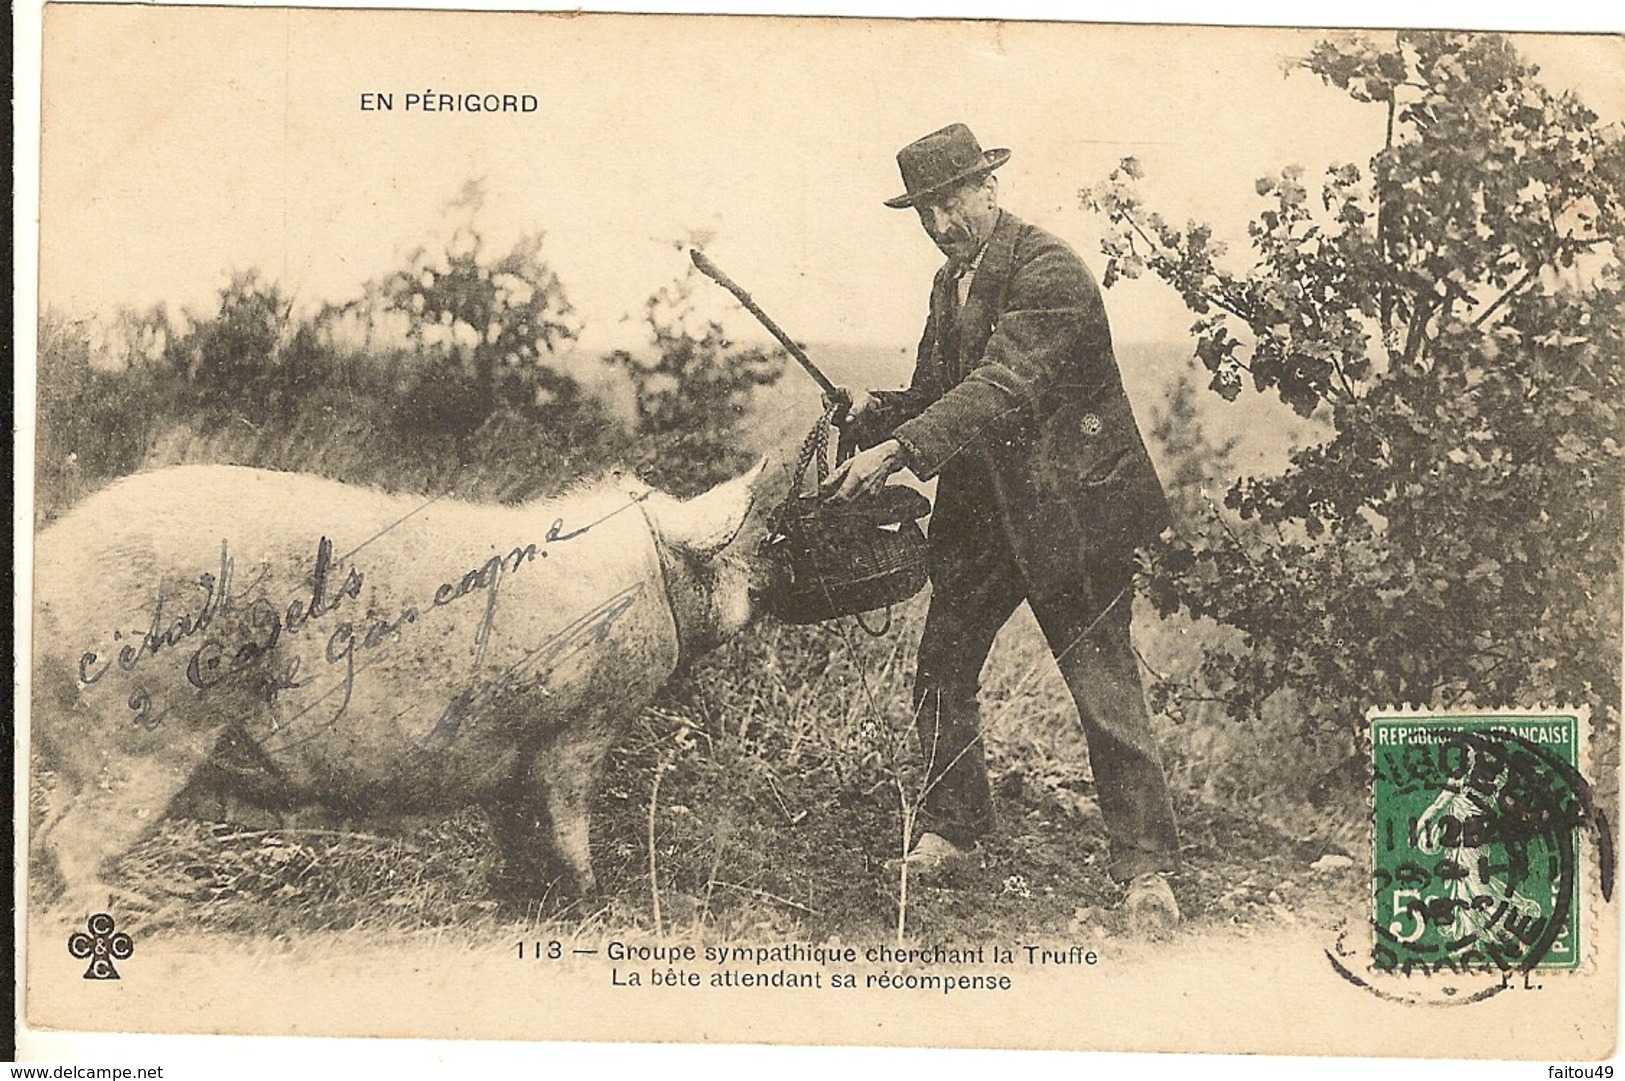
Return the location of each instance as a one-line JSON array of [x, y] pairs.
[[909, 532]]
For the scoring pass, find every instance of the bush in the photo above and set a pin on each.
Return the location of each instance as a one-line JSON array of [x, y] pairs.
[[93, 424], [693, 391], [1454, 313]]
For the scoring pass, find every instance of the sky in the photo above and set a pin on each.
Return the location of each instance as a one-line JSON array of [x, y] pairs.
[[179, 145]]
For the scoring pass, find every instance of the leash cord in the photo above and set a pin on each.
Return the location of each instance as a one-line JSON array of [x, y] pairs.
[[815, 449]]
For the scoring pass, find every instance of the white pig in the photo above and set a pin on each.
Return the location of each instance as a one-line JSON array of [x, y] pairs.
[[370, 652]]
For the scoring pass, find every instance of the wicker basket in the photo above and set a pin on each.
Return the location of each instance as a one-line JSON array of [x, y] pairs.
[[832, 560]]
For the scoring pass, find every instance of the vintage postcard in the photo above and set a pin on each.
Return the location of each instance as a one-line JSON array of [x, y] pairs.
[[824, 531]]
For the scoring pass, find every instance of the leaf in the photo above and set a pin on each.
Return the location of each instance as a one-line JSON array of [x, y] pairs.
[[1470, 496]]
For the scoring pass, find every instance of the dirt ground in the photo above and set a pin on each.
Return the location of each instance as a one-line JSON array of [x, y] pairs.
[[1043, 874], [326, 931]]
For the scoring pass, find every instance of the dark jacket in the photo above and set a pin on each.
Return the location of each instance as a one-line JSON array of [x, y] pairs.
[[1021, 395]]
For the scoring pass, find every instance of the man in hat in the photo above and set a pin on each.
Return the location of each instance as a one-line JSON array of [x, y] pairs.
[[1044, 491]]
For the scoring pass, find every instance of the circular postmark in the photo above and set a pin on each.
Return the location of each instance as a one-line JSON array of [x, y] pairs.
[[1475, 882]]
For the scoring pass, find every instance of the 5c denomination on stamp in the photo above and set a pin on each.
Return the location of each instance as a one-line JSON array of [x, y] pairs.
[[1479, 821]]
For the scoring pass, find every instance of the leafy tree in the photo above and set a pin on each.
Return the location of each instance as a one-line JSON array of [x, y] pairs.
[[692, 391], [136, 338], [1454, 311], [107, 394], [486, 329], [93, 421], [228, 353]]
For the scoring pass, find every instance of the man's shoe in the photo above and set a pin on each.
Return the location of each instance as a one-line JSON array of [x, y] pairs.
[[931, 854], [1150, 906]]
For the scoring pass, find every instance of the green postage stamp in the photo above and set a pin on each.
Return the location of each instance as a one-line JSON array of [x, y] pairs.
[[1481, 825]]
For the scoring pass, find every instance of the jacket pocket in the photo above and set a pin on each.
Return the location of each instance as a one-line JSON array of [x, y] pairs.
[[1086, 446]]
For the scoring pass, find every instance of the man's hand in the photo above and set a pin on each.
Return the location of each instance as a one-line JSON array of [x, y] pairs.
[[864, 473], [860, 402]]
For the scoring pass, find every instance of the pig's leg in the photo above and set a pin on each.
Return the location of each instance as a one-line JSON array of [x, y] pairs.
[[541, 817], [102, 815], [114, 777], [571, 768], [524, 833]]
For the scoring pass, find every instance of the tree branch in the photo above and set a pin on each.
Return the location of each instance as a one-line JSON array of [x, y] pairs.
[[1343, 378], [1385, 225], [1513, 290], [1418, 327], [1215, 299]]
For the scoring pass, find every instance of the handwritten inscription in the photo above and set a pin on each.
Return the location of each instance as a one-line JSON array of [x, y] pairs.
[[210, 664], [231, 634], [591, 629]]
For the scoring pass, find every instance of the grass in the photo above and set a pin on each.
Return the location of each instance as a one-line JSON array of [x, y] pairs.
[[761, 797]]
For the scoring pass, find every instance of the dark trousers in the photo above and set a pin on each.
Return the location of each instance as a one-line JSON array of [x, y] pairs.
[[976, 586]]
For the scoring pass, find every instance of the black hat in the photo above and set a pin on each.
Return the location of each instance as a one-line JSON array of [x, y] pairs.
[[941, 160]]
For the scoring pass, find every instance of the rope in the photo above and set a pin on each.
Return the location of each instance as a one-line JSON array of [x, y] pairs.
[[815, 451]]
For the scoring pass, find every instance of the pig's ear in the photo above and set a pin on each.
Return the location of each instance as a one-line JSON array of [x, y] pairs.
[[707, 523]]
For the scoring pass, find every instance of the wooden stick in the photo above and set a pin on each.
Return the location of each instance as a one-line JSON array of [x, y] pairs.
[[712, 271]]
